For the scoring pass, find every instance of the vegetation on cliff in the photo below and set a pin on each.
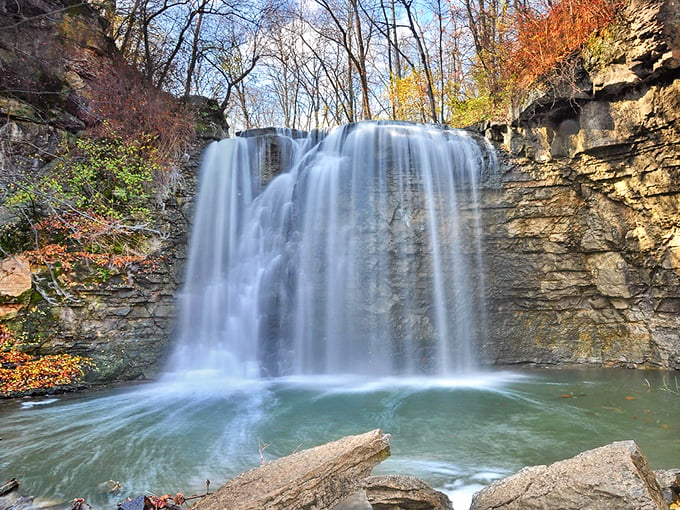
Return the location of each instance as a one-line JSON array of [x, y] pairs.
[[89, 155]]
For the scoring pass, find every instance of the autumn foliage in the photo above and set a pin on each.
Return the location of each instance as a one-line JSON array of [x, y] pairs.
[[122, 105], [408, 93], [547, 35], [20, 372], [72, 243]]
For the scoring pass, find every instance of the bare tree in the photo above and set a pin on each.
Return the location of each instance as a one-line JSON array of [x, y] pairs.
[[486, 21], [344, 26]]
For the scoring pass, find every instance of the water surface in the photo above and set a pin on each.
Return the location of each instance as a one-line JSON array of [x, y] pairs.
[[458, 434]]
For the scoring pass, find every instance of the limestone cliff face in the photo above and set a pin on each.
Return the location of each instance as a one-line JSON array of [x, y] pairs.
[[584, 229], [582, 223], [50, 52]]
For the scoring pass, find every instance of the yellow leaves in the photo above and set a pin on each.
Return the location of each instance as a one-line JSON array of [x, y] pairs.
[[409, 95], [20, 372]]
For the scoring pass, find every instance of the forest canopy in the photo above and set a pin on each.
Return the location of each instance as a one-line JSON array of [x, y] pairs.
[[315, 63]]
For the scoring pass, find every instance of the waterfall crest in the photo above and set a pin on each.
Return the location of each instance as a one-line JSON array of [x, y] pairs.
[[363, 255]]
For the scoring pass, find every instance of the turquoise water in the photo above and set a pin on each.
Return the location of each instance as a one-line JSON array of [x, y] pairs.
[[457, 434]]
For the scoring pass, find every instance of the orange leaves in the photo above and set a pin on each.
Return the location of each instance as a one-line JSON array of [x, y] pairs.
[[50, 254], [546, 35], [5, 336], [41, 373], [13, 358], [53, 254], [20, 372], [87, 226], [77, 243], [166, 501]]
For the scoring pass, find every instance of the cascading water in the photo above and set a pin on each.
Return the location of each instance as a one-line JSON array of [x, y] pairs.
[[362, 256]]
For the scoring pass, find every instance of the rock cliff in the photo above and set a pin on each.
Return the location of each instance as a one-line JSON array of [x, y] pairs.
[[53, 55], [583, 246], [582, 221]]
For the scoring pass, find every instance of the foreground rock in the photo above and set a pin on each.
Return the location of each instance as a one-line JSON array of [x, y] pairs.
[[669, 481], [395, 492], [612, 476], [319, 477], [11, 498]]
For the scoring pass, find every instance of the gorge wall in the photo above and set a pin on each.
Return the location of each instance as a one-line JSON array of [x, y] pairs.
[[53, 55], [583, 246], [582, 220]]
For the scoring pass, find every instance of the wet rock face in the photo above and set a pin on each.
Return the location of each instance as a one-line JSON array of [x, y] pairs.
[[583, 232]]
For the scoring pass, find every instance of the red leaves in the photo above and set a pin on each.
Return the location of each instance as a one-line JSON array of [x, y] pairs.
[[73, 241], [166, 501], [547, 34], [160, 501], [136, 111]]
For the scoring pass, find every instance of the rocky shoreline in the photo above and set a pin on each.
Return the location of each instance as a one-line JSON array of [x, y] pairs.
[[337, 476]]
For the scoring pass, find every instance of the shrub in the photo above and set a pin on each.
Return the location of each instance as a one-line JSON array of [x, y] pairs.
[[110, 177], [546, 36], [123, 106]]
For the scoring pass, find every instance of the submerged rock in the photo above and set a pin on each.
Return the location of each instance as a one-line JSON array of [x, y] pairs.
[[612, 476], [11, 498]]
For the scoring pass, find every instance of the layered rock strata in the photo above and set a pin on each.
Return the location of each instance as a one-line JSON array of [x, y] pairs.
[[584, 221]]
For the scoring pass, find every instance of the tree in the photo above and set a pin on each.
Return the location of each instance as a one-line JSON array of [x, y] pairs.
[[342, 24], [488, 21], [416, 32]]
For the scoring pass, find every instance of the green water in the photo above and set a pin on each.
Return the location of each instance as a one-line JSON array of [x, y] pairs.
[[457, 434]]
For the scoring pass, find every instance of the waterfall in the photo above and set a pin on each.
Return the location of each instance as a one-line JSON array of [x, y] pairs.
[[362, 255]]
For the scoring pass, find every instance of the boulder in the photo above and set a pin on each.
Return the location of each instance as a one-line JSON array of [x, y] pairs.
[[357, 501], [396, 492], [612, 476], [669, 481], [15, 276], [319, 477]]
